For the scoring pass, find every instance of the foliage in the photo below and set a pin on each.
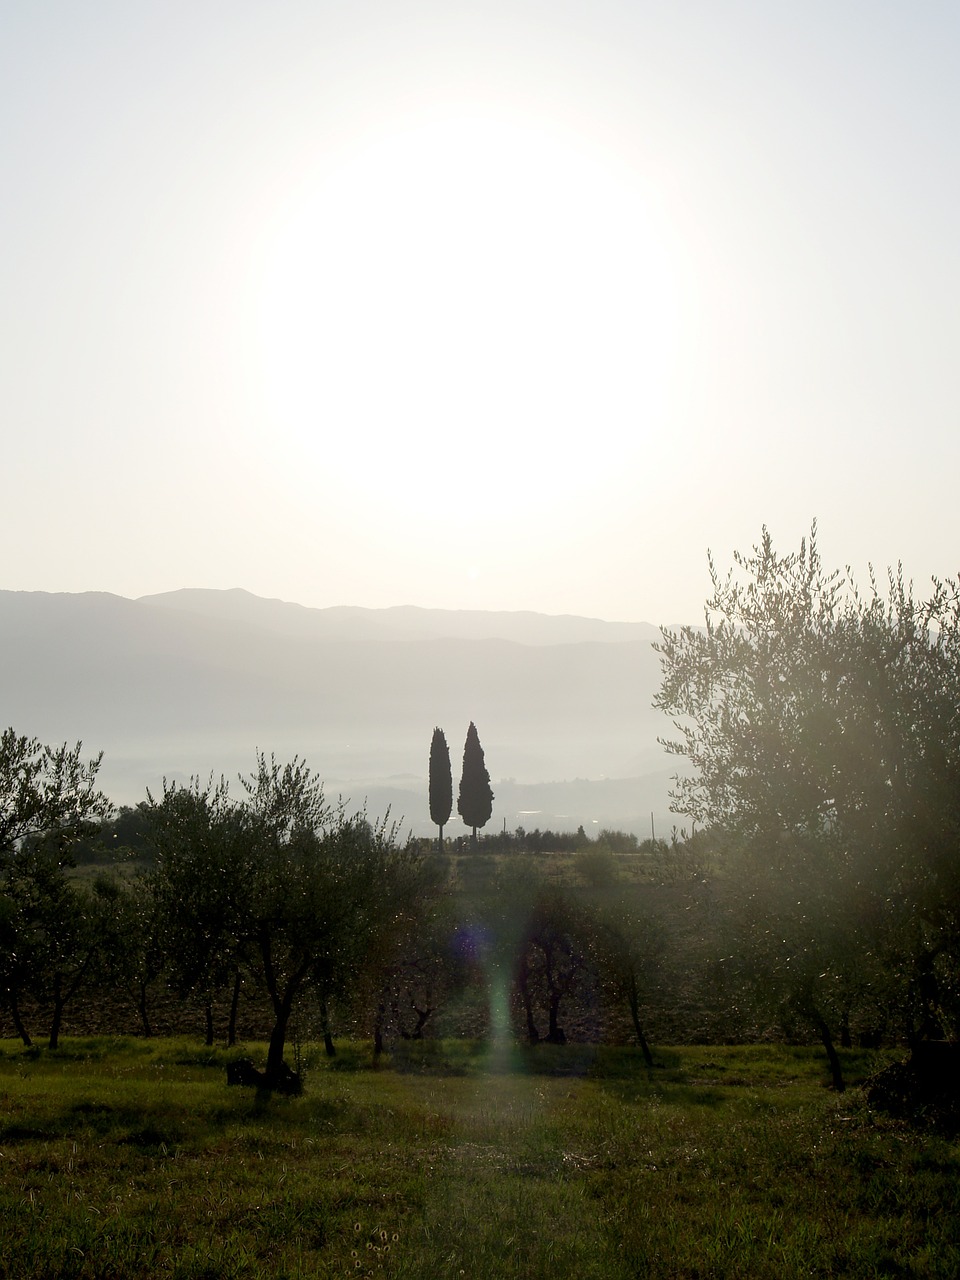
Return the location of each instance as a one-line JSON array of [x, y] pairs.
[[46, 791], [536, 841], [120, 836], [616, 841], [475, 799], [597, 867]]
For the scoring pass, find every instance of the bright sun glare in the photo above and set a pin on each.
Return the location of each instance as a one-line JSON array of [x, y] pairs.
[[466, 298]]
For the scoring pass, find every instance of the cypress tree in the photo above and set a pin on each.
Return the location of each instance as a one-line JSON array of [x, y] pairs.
[[475, 801], [441, 783]]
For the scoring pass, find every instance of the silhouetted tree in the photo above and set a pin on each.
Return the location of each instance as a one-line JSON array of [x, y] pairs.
[[441, 784], [475, 800]]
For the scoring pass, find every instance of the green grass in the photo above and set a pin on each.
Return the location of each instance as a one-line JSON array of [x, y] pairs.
[[125, 1158]]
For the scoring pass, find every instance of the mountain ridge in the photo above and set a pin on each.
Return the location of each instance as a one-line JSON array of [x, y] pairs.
[[396, 621]]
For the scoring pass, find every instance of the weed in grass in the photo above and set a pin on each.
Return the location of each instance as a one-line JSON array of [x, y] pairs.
[[374, 1252]]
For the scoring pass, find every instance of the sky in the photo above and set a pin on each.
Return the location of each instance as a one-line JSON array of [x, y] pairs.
[[486, 305]]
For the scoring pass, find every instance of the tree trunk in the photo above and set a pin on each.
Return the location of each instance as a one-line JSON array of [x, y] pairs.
[[928, 990], [846, 1041], [61, 996], [278, 1040], [836, 1070], [208, 1018], [633, 998], [59, 1000], [810, 1011], [523, 982], [329, 1048], [440, 838], [278, 1073], [523, 987], [142, 1006], [234, 1006], [423, 1017], [56, 1024], [20, 1029], [555, 1033], [378, 1036]]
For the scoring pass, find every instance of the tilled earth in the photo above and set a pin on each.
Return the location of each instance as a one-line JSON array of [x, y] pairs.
[[585, 1018]]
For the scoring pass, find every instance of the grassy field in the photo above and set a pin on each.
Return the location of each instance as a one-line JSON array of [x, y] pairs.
[[124, 1158]]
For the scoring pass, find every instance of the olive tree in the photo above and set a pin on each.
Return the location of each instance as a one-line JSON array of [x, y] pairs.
[[553, 959], [822, 725], [52, 933], [139, 953], [626, 944], [48, 934], [326, 889], [200, 888]]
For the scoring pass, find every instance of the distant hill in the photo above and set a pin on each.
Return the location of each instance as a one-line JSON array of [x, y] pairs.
[[194, 681], [404, 622]]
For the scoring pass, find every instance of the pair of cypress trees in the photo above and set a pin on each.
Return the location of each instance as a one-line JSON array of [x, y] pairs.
[[475, 799]]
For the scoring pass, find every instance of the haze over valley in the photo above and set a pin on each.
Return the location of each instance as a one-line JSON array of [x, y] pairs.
[[194, 681]]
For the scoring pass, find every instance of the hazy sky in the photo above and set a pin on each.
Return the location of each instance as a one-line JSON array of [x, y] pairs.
[[491, 305]]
